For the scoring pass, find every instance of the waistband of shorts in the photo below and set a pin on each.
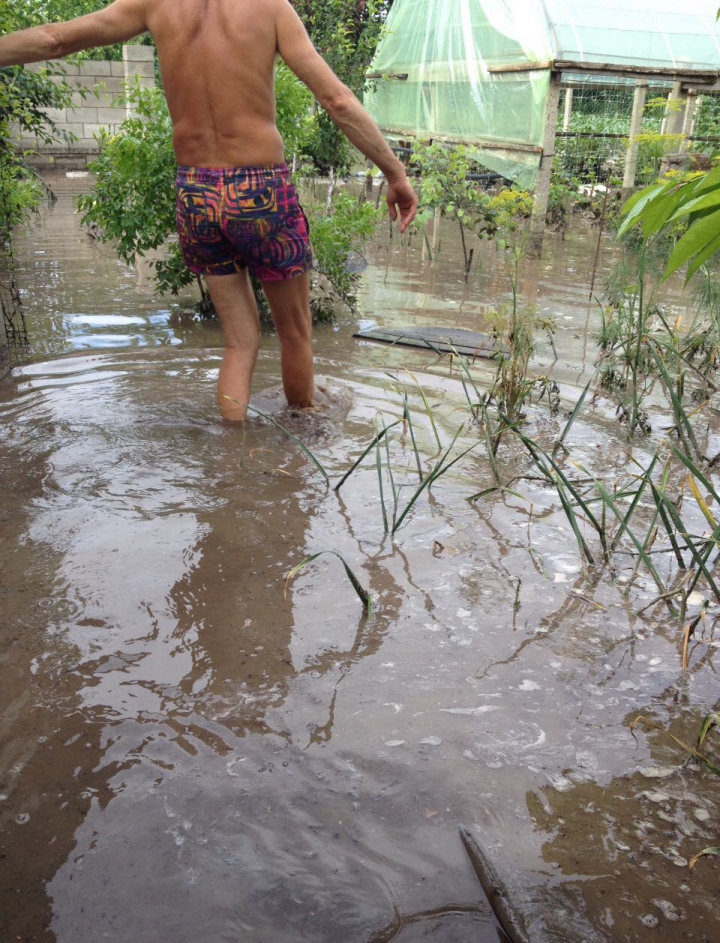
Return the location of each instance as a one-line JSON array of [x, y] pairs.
[[214, 176]]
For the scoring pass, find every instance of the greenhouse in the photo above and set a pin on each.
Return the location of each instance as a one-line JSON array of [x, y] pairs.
[[490, 73]]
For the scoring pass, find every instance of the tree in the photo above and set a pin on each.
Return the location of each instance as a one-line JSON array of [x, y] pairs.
[[346, 33], [24, 96]]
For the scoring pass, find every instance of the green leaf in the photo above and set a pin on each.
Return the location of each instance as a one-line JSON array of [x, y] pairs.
[[636, 204], [576, 412], [703, 202], [703, 257], [695, 240], [659, 211], [710, 179], [712, 720]]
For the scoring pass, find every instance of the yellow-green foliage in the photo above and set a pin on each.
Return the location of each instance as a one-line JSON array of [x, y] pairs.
[[513, 203]]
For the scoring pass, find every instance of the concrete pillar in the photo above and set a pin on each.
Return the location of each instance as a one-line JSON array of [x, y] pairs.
[[675, 116], [631, 159], [689, 118], [567, 118], [542, 190]]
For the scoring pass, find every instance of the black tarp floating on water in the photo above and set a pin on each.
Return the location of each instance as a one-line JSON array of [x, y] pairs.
[[441, 340]]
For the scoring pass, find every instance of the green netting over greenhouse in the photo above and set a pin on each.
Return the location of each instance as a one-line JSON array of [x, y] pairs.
[[457, 70]]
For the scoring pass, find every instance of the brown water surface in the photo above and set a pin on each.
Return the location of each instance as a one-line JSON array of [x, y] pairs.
[[187, 752]]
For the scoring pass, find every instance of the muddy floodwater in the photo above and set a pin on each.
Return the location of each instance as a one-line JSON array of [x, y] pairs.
[[190, 751]]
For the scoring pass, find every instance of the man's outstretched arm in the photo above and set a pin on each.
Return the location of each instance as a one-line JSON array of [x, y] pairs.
[[117, 23], [346, 111]]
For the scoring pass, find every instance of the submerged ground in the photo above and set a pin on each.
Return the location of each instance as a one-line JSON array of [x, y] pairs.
[[187, 753]]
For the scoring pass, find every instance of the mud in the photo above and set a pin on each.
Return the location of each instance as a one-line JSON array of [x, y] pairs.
[[189, 750]]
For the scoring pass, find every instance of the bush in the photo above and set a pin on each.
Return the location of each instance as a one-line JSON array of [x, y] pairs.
[[23, 97], [335, 235]]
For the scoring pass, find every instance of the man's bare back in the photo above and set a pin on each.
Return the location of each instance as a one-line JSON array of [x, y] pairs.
[[238, 210], [217, 59]]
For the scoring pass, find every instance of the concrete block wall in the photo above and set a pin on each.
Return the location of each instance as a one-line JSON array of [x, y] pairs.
[[94, 105]]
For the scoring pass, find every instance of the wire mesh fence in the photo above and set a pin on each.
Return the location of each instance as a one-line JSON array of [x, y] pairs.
[[595, 126]]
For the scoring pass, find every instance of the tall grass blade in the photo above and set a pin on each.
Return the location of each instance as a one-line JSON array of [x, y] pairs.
[[440, 469], [428, 410], [670, 531], [607, 498], [635, 502], [575, 413], [490, 446], [699, 558], [367, 451], [683, 423], [692, 467], [391, 477], [408, 419], [378, 463], [542, 463], [494, 490], [701, 502], [363, 594], [289, 434], [466, 370], [572, 518], [535, 450], [693, 751], [473, 406]]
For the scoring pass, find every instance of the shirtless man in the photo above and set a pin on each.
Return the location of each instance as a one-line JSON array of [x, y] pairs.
[[238, 210]]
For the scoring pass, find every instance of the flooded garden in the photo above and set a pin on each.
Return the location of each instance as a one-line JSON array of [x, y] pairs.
[[194, 745], [436, 660]]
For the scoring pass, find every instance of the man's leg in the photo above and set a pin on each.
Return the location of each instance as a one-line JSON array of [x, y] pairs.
[[290, 305], [235, 304]]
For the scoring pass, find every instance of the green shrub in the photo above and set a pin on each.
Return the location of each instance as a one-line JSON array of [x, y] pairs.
[[24, 96]]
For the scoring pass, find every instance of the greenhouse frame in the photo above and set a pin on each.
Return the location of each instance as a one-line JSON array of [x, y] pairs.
[[490, 74]]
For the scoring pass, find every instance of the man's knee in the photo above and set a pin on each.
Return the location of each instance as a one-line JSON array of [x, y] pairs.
[[294, 324]]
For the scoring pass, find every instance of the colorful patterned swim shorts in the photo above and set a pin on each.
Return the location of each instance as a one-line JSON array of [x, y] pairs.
[[242, 217]]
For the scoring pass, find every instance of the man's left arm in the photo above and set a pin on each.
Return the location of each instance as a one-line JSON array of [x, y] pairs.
[[116, 23]]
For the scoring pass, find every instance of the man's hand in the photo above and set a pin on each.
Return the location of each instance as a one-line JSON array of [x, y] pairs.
[[401, 197]]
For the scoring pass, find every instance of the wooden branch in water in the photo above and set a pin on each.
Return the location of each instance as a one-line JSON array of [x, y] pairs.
[[495, 891]]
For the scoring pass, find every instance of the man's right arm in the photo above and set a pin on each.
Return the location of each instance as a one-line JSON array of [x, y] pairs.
[[122, 20], [344, 108]]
